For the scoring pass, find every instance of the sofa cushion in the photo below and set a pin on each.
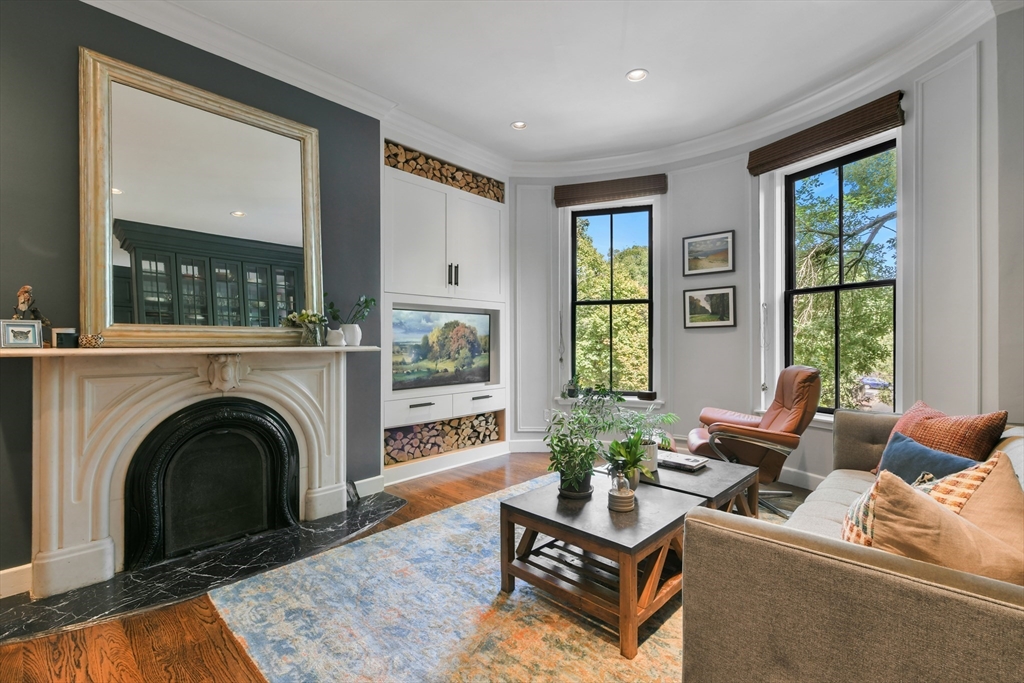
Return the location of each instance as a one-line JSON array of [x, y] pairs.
[[908, 459], [954, 490], [1013, 445], [970, 436], [823, 511], [997, 506], [910, 523]]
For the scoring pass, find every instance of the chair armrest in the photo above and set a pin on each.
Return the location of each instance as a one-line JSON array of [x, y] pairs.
[[794, 606], [710, 416], [761, 437], [858, 438]]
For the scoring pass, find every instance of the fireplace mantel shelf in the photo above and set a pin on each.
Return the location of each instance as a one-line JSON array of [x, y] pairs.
[[181, 350]]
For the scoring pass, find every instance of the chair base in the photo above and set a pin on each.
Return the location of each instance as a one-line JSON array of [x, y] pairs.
[[771, 507]]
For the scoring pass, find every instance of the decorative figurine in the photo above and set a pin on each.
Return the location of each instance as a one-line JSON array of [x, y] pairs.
[[26, 308]]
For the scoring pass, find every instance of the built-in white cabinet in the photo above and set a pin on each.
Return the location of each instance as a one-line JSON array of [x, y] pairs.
[[441, 241], [408, 411]]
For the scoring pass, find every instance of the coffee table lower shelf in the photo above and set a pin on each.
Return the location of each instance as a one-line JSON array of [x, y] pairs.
[[621, 588]]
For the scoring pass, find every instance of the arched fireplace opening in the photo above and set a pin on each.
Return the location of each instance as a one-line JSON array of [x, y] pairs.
[[213, 472]]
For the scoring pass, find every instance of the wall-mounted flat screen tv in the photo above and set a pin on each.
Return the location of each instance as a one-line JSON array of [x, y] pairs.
[[439, 348]]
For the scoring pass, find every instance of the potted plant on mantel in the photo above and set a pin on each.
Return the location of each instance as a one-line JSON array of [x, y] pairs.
[[350, 323], [572, 438]]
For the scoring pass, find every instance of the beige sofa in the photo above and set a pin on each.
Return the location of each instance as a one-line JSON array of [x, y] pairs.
[[763, 602]]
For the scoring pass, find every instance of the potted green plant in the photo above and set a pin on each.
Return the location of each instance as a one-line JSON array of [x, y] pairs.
[[627, 457], [350, 323], [572, 438], [571, 388], [649, 425]]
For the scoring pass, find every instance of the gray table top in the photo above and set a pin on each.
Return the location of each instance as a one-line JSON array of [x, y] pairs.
[[656, 510], [715, 478]]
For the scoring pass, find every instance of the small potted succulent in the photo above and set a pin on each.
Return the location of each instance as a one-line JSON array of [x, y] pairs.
[[627, 457], [312, 323], [571, 388], [350, 323]]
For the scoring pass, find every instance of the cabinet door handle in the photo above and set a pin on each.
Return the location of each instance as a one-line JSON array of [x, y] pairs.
[[477, 398], [420, 405], [456, 274], [449, 273]]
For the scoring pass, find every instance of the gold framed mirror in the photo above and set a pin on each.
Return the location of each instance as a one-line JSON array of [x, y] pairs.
[[200, 216]]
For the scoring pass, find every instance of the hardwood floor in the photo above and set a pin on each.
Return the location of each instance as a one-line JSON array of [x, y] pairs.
[[189, 642]]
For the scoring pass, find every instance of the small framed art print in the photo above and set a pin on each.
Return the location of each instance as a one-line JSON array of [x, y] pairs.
[[21, 334], [710, 307], [710, 253]]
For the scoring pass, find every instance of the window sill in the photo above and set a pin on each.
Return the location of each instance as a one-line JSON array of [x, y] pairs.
[[629, 402]]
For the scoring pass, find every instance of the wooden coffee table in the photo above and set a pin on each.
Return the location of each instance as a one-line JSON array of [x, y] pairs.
[[722, 484], [614, 566]]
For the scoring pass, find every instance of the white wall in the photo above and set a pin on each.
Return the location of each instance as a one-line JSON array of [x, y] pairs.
[[958, 288]]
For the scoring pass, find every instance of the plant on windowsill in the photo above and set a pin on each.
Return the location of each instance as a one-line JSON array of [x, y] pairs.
[[350, 323], [627, 457], [648, 424], [313, 325], [571, 388], [572, 438]]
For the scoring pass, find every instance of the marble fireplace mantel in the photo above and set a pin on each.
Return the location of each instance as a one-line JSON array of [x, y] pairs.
[[92, 408]]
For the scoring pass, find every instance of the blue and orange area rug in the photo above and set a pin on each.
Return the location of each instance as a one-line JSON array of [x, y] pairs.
[[421, 602]]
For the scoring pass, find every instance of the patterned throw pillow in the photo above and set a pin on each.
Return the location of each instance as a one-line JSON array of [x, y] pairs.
[[969, 436], [952, 492], [859, 523]]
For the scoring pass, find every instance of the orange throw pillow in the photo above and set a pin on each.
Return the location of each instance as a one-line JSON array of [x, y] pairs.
[[970, 436]]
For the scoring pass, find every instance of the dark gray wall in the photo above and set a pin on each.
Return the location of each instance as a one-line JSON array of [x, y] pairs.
[[39, 205]]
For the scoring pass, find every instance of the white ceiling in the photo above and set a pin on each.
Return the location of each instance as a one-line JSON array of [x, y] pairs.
[[471, 68]]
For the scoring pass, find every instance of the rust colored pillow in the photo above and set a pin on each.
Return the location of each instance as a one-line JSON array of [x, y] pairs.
[[970, 436]]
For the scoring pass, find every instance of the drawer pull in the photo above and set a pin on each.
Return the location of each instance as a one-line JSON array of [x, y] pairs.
[[477, 398], [420, 405]]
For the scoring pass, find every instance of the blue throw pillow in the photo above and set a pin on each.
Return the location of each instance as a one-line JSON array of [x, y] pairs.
[[907, 459]]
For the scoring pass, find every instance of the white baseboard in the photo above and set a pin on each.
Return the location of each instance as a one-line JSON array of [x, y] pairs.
[[800, 478], [368, 487], [527, 446], [15, 580], [395, 474], [325, 501]]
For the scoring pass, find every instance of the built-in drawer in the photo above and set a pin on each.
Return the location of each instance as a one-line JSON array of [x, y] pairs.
[[416, 410], [473, 402]]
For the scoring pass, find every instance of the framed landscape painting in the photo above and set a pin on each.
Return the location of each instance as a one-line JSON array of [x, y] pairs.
[[711, 253], [439, 348], [710, 307]]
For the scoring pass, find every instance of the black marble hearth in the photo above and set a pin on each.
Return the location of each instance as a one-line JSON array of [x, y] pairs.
[[186, 577]]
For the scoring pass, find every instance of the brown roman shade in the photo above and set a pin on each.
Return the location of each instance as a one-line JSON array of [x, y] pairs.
[[610, 190], [857, 124]]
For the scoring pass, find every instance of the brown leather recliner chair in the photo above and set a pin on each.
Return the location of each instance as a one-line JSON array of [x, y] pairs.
[[763, 442]]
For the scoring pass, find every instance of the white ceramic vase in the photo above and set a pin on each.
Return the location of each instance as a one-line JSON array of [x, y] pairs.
[[335, 338], [353, 334], [651, 461]]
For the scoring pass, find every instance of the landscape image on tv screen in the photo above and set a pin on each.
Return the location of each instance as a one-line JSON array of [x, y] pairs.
[[433, 349]]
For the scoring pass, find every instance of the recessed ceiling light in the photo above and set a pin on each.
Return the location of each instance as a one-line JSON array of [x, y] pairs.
[[238, 214], [519, 125], [114, 190], [636, 75]]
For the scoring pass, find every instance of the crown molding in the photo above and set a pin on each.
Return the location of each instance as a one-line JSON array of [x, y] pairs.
[[177, 22], [187, 26], [430, 139], [1004, 6], [958, 23]]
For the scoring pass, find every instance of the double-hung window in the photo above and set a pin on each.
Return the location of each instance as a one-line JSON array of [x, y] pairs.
[[841, 277], [612, 304]]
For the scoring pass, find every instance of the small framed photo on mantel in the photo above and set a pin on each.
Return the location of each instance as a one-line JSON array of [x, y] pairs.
[[21, 334], [710, 307], [710, 253]]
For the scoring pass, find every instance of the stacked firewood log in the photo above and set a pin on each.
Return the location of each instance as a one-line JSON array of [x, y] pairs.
[[420, 164], [402, 444]]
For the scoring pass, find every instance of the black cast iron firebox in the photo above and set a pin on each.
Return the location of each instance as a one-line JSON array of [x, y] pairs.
[[212, 472]]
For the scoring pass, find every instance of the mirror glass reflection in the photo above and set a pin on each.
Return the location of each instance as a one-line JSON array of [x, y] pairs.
[[207, 216]]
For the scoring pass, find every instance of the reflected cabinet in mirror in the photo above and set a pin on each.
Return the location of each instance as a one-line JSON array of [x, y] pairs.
[[200, 215]]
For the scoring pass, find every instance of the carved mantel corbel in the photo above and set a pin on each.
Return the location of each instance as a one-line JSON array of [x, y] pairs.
[[225, 371]]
